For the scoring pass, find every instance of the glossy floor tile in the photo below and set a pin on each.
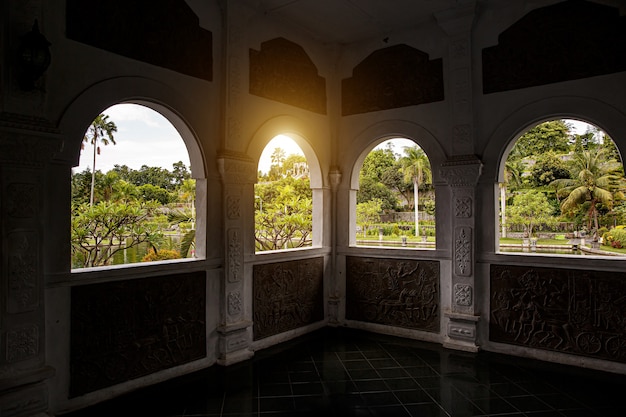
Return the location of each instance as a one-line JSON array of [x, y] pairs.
[[342, 372]]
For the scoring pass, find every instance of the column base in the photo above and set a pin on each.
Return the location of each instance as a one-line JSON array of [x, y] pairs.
[[461, 332], [234, 343]]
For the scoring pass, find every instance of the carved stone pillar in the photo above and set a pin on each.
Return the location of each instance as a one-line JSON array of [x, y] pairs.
[[26, 146], [334, 297], [462, 175], [238, 177]]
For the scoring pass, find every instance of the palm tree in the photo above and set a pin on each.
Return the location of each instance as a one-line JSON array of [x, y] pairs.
[[415, 167], [595, 178], [100, 131]]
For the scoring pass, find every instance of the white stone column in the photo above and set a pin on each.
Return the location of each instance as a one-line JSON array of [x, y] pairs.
[[238, 177], [462, 175], [26, 147]]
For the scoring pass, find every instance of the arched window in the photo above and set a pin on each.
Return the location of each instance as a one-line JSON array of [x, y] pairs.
[[133, 193], [562, 192], [283, 197], [395, 201]]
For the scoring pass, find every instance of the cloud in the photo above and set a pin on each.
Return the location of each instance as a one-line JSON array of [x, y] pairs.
[[135, 112]]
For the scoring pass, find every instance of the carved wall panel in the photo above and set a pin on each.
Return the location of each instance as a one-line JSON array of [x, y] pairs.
[[402, 293], [165, 33], [566, 41], [575, 312], [282, 71], [126, 329], [23, 265], [390, 78], [287, 295]]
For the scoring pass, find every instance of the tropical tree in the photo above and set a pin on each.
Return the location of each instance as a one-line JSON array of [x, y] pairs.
[[415, 167], [595, 179], [375, 178], [284, 214], [100, 131], [367, 213], [531, 208], [101, 230], [548, 136]]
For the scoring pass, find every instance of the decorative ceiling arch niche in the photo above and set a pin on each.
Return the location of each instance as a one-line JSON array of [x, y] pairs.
[[156, 38], [566, 41], [390, 78], [282, 71]]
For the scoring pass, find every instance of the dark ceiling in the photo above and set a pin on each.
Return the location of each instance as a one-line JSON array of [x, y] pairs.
[[348, 21]]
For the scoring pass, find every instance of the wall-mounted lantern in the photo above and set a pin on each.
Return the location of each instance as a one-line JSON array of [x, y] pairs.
[[33, 57]]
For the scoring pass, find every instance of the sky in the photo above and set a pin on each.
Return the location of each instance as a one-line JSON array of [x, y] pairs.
[[144, 137]]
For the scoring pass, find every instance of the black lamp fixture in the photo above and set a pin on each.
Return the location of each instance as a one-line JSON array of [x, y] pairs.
[[33, 57]]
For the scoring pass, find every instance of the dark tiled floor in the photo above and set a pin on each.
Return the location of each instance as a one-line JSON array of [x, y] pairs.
[[340, 372]]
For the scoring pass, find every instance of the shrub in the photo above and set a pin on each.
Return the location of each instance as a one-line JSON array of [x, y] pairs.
[[161, 255], [615, 238]]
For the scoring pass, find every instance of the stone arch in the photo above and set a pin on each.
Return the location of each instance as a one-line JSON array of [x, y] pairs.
[[502, 140], [301, 133], [182, 114], [156, 96], [379, 132]]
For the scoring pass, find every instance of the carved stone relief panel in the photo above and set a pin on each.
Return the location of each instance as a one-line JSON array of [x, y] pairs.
[[463, 207], [234, 303], [463, 295], [463, 251], [126, 329], [22, 343], [233, 206], [234, 255], [394, 292], [237, 169], [21, 200], [287, 295], [462, 172], [23, 261], [575, 312]]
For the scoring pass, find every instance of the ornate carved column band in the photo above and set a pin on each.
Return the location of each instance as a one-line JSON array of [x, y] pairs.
[[238, 174], [26, 146], [462, 174], [457, 23]]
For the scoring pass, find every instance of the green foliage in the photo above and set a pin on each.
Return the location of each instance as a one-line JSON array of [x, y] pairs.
[[594, 180], [378, 177], [530, 209], [616, 238], [284, 214], [551, 136], [101, 230], [148, 192], [371, 189], [547, 168], [368, 213], [161, 255]]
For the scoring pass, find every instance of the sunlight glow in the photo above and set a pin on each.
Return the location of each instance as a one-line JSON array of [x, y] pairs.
[[280, 141]]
